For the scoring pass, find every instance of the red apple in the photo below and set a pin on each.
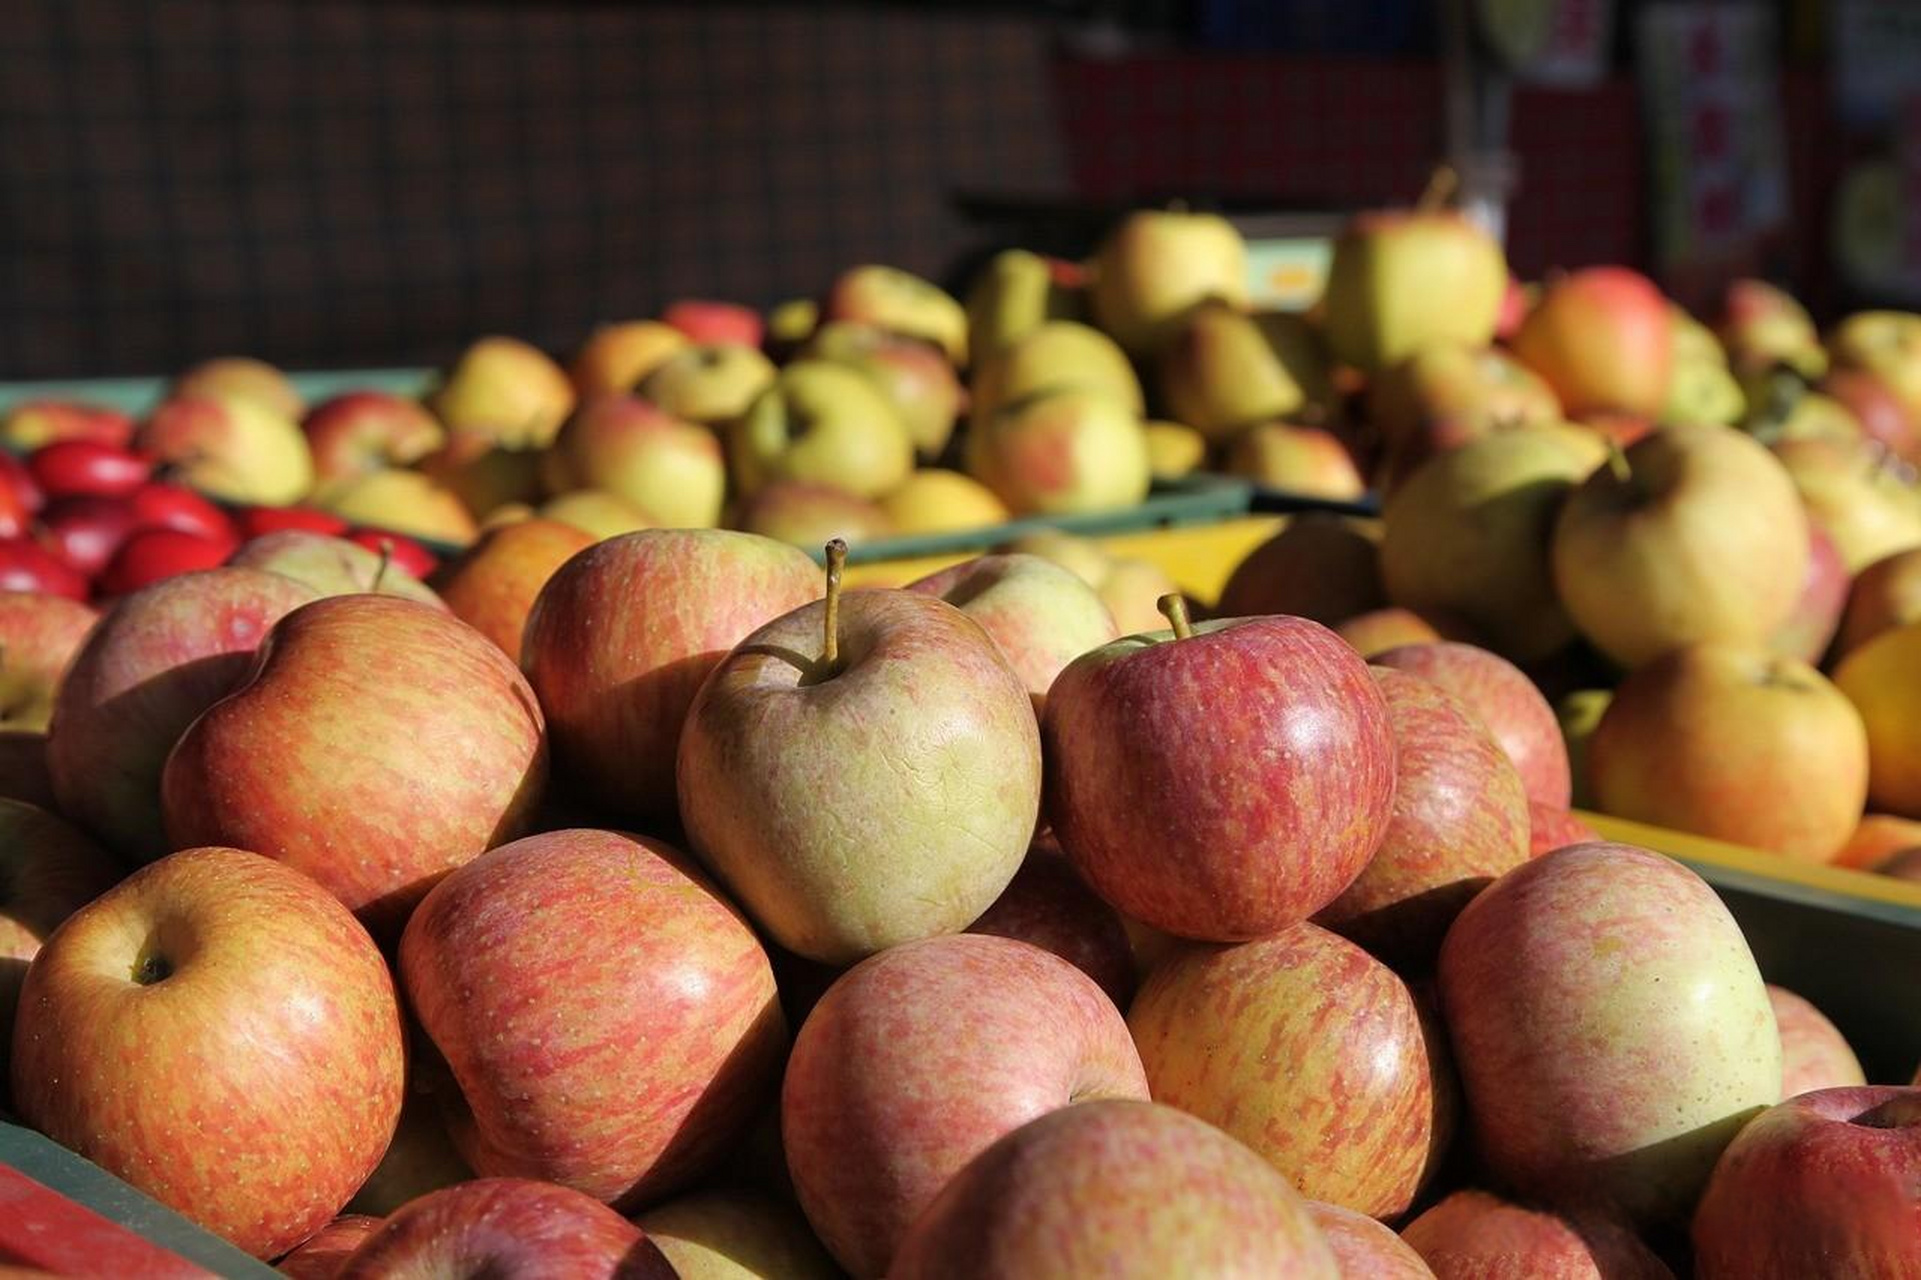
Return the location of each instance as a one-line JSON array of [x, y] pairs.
[[406, 552], [1047, 905], [364, 431], [1460, 819], [918, 1059], [1364, 1249], [151, 555], [41, 422], [506, 1227], [68, 468], [15, 508], [1287, 1043], [85, 531], [320, 1255], [1881, 413], [1824, 595], [18, 482], [1116, 1189], [255, 522], [1821, 1185], [1610, 1028], [1602, 338], [1472, 1235], [670, 469], [1814, 1054], [155, 661], [170, 506], [1878, 837], [1506, 701], [616, 672], [1516, 301], [1321, 566], [1886, 594], [705, 321], [378, 744], [493, 584], [1550, 828], [265, 1022], [27, 566], [1222, 781]]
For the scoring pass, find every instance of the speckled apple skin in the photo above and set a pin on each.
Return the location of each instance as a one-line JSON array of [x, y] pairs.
[[331, 566], [1364, 1249], [610, 1020], [1308, 1050], [1125, 1190], [1826, 1184], [1472, 1235], [621, 637], [888, 802], [506, 1227], [1550, 828], [160, 657], [1506, 701], [493, 586], [1459, 820], [1814, 1054], [1610, 1028], [41, 635], [378, 744], [918, 1059], [255, 1087], [1224, 786]]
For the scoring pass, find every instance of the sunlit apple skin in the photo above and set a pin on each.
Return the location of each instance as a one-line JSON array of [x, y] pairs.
[[1610, 1028], [28, 426], [506, 389], [377, 744], [157, 660], [507, 1227], [610, 1019], [331, 566], [1814, 1055], [1308, 1050], [493, 585], [40, 635], [363, 431], [1504, 700], [1157, 267], [1221, 786], [617, 356], [1603, 339], [1117, 1188], [1821, 1185], [1472, 1235], [235, 450], [218, 1031], [672, 470], [1883, 682], [1550, 828], [1884, 595], [1402, 279], [920, 1057], [1364, 1248]]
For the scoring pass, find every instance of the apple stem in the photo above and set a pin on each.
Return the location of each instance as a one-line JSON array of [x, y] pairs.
[[1440, 189], [380, 570], [1618, 463], [1173, 606], [830, 642]]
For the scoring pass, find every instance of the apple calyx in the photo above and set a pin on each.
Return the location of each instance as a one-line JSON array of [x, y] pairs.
[[151, 968], [1173, 607], [830, 640]]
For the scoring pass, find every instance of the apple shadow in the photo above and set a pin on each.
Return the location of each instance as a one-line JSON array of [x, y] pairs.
[[1406, 935]]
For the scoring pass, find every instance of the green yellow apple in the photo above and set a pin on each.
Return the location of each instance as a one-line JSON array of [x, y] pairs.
[[628, 447], [821, 423], [1401, 279], [616, 357], [1154, 268], [233, 450], [1225, 370], [935, 500], [712, 383], [507, 389], [900, 302], [1062, 453]]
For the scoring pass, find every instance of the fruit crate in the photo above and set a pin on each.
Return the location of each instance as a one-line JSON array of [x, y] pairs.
[[137, 396]]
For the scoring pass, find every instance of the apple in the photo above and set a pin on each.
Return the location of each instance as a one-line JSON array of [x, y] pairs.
[[232, 450], [32, 423], [1056, 356], [252, 522], [918, 1059], [821, 423], [27, 566], [1694, 534], [1880, 679], [812, 685], [505, 389], [811, 515], [1610, 1027], [1885, 594], [256, 994], [1878, 413], [1219, 781], [23, 768], [148, 556], [1117, 1188], [1878, 836], [155, 661], [1822, 1184], [408, 502], [1174, 450], [39, 637], [1550, 828], [1213, 1024], [1155, 268], [703, 320], [396, 548], [1814, 1054], [483, 474], [1048, 905], [1080, 556], [1298, 459], [1062, 453], [241, 378], [364, 431], [420, 1157], [617, 356], [331, 566], [1365, 1249], [1224, 370], [378, 744], [1132, 590], [711, 383], [157, 505], [1015, 293], [935, 500], [493, 585], [1886, 344], [1780, 406], [19, 491], [899, 302], [1460, 819], [1602, 337], [596, 512], [1472, 1235], [1401, 279], [625, 446], [615, 671], [1506, 702], [320, 1255], [507, 1227], [1701, 391], [669, 1006], [1468, 534], [914, 376], [1762, 325], [1904, 865], [1868, 507], [789, 324], [88, 468], [1811, 628], [1320, 566], [1737, 744], [736, 1235], [1379, 630], [1446, 394], [1039, 615]]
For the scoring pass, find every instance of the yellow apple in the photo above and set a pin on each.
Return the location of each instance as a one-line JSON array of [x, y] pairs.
[[670, 469], [617, 356], [1062, 453], [1299, 459], [708, 382], [934, 500], [1014, 294], [1174, 449], [408, 502], [235, 450], [597, 512], [1053, 356], [1882, 679], [1157, 266], [507, 389], [900, 302], [821, 423], [242, 378], [1402, 279], [1225, 369], [1868, 508]]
